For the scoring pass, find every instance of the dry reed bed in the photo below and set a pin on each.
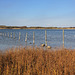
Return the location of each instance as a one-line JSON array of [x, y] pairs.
[[29, 61]]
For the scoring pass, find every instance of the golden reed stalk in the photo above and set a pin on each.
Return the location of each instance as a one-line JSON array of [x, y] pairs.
[[26, 61]]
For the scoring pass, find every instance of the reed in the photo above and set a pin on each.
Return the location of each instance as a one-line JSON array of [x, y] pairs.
[[26, 61]]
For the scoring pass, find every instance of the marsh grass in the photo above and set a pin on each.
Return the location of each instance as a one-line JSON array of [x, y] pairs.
[[37, 61]]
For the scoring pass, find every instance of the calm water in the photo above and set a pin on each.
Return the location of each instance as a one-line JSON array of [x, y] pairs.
[[54, 38]]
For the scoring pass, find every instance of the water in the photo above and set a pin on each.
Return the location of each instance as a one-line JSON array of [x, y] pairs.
[[54, 38]]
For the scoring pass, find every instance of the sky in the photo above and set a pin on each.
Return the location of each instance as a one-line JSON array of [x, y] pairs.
[[45, 13]]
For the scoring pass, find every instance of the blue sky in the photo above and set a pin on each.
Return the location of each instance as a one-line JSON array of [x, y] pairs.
[[50, 13]]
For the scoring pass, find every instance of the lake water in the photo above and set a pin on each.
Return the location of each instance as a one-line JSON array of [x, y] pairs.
[[54, 38]]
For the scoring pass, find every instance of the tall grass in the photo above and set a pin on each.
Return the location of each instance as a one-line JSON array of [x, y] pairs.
[[29, 61]]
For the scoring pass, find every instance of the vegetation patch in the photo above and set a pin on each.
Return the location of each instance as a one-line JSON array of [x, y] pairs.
[[37, 61]]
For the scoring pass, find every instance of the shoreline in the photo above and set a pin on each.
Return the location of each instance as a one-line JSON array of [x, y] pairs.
[[25, 27]]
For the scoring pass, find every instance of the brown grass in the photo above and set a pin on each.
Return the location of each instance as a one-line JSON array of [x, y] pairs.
[[29, 61]]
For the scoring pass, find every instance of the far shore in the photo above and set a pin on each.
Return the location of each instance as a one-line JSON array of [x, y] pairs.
[[25, 27]]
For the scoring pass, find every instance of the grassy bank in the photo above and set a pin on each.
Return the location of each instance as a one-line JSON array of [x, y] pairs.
[[29, 61]]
